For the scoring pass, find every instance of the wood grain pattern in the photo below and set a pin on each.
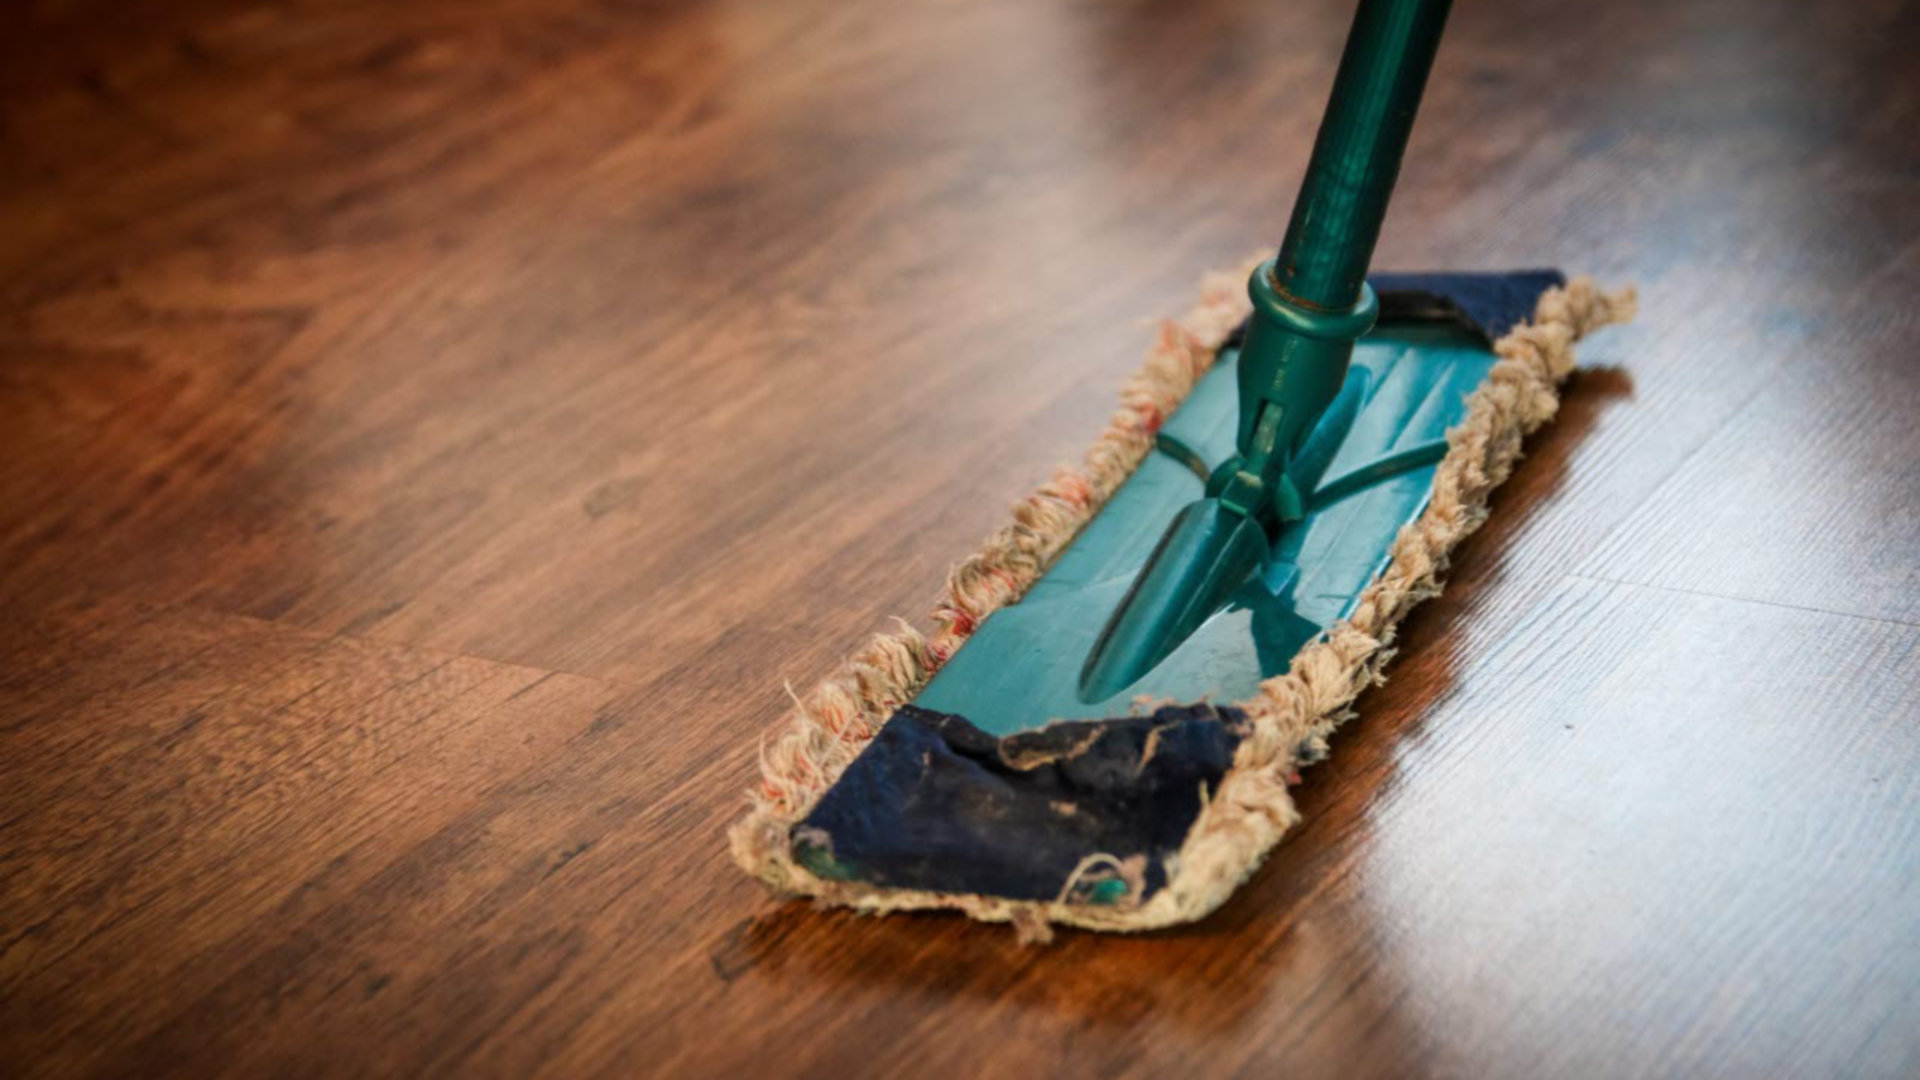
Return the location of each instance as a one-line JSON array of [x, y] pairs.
[[434, 432]]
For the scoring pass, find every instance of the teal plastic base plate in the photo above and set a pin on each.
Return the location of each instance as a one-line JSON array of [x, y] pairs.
[[1020, 671]]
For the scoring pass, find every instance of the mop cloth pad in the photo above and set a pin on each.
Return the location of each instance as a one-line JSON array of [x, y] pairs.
[[1168, 846]]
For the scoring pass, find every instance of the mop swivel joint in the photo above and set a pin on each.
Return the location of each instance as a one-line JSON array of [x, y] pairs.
[[1292, 366]]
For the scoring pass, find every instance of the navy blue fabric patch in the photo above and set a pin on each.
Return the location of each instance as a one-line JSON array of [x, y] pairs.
[[934, 803], [1487, 304]]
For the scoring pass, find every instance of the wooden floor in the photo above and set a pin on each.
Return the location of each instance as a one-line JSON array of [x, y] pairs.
[[431, 433]]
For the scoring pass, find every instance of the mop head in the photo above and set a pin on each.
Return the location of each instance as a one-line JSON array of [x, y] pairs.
[[1257, 746]]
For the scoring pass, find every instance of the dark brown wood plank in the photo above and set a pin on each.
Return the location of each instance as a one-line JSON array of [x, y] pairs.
[[555, 272], [362, 841], [433, 432]]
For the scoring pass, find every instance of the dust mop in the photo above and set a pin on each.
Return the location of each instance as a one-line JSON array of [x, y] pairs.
[[1122, 683]]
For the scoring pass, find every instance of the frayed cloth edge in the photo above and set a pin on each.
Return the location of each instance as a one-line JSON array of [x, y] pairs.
[[1293, 713]]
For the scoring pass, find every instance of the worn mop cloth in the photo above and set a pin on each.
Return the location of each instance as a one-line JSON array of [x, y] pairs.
[[1134, 822]]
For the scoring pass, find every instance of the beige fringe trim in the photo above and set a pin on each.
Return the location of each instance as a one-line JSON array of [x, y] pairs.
[[1293, 713]]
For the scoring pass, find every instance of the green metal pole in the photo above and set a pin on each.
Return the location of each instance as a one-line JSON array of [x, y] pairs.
[[1311, 302], [1343, 198]]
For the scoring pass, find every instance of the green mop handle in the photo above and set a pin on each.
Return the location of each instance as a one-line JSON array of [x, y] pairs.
[[1343, 198], [1312, 302]]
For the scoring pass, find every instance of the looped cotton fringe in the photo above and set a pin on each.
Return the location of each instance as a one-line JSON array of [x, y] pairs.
[[1292, 715]]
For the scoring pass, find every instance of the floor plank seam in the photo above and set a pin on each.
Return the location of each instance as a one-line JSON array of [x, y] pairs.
[[1709, 594], [425, 650], [1706, 439]]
